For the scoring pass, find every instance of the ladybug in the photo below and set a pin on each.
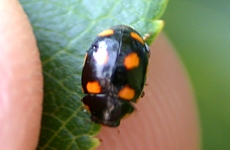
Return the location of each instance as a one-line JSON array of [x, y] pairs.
[[114, 74]]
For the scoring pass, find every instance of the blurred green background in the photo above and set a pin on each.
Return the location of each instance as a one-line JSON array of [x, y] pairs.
[[200, 31]]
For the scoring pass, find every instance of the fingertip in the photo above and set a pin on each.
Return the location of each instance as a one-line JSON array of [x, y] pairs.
[[166, 116], [21, 80]]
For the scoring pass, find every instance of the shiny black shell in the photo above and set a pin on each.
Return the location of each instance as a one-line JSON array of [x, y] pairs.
[[114, 74]]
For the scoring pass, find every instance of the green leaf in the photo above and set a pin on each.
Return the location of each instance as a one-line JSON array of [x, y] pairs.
[[64, 30]]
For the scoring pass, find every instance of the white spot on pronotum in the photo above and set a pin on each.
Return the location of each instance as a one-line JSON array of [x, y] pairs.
[[101, 54]]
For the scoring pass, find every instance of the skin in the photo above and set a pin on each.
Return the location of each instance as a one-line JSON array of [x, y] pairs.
[[21, 80], [164, 119]]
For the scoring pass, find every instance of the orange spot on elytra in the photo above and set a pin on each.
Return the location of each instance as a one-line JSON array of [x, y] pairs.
[[137, 37], [126, 93], [131, 61], [106, 32], [93, 87]]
